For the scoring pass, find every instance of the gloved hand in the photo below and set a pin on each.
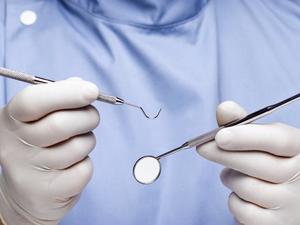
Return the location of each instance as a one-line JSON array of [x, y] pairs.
[[45, 137], [263, 167]]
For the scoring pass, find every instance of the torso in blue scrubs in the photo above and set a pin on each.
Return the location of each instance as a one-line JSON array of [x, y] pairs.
[[185, 56]]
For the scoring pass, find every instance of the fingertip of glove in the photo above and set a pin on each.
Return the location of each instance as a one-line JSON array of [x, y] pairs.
[[226, 104], [87, 90], [223, 138], [85, 168], [206, 150], [229, 106], [91, 91], [229, 111], [225, 174]]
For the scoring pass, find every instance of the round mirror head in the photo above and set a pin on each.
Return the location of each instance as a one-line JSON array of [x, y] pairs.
[[146, 170]]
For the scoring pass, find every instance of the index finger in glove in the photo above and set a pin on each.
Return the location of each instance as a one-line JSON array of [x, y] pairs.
[[36, 101], [257, 164], [278, 139], [266, 194], [71, 181]]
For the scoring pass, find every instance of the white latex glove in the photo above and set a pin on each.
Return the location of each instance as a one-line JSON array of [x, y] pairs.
[[263, 165], [45, 137]]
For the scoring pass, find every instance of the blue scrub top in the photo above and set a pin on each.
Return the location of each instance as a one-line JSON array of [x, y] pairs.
[[185, 56]]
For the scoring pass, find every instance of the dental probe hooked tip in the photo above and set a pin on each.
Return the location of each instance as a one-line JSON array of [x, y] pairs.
[[143, 111]]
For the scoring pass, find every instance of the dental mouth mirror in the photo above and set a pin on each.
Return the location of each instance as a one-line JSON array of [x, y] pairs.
[[147, 169], [114, 100]]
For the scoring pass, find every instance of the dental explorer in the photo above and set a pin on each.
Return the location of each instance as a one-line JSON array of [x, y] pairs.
[[114, 100], [147, 169]]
